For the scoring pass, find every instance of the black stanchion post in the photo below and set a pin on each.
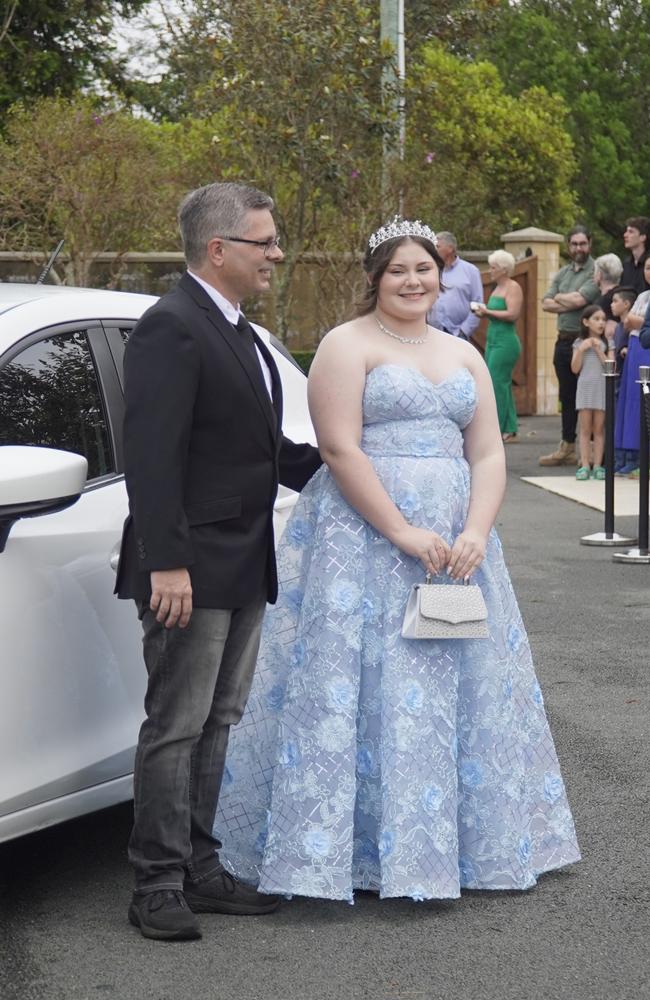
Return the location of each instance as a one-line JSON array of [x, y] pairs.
[[641, 554], [643, 468], [608, 536]]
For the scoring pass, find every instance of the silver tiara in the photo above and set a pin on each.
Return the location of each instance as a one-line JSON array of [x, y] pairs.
[[401, 227]]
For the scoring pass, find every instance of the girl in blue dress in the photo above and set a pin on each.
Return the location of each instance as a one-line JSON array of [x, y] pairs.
[[365, 760]]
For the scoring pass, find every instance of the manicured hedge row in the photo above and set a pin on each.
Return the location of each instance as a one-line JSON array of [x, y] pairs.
[[304, 359]]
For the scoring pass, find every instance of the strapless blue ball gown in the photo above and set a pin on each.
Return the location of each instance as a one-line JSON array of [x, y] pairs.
[[368, 761]]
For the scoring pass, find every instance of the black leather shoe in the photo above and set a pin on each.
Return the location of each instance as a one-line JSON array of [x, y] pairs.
[[163, 915], [226, 894]]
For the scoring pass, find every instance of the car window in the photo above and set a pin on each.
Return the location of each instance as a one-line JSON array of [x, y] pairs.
[[50, 396]]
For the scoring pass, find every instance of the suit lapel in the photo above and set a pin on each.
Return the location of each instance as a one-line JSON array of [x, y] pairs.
[[252, 369], [276, 383]]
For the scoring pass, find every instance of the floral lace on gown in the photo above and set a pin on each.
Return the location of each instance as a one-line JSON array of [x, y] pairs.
[[368, 761]]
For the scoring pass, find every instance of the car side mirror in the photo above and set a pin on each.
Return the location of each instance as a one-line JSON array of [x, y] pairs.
[[37, 481]]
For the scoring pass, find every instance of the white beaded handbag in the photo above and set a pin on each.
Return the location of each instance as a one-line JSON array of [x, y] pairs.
[[445, 611]]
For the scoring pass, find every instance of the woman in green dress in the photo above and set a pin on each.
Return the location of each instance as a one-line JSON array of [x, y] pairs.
[[503, 346]]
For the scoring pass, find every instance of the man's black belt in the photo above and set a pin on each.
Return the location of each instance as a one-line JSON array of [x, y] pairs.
[[568, 335]]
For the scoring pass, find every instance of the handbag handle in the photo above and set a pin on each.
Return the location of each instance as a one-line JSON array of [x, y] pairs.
[[463, 583]]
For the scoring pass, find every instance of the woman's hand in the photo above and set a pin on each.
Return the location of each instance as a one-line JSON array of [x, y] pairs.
[[467, 554], [427, 546]]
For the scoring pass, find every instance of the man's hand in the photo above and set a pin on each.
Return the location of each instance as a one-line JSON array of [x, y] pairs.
[[551, 306], [571, 300], [171, 597]]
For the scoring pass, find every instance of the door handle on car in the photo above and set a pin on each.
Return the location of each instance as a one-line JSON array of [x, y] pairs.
[[114, 557]]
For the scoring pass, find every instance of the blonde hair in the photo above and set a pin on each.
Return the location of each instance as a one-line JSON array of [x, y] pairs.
[[501, 258]]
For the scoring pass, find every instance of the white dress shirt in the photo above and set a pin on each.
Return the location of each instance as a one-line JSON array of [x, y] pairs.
[[232, 314]]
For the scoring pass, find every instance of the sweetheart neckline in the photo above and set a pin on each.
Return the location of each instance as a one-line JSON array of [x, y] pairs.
[[412, 368]]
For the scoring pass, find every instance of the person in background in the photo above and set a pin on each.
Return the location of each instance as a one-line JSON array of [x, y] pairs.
[[622, 301], [571, 290], [644, 332], [626, 428], [607, 275], [635, 317], [503, 346], [461, 285], [635, 239], [590, 351]]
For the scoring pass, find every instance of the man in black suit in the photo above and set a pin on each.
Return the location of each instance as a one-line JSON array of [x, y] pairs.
[[204, 452]]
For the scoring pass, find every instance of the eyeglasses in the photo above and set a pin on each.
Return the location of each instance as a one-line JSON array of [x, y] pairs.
[[268, 246]]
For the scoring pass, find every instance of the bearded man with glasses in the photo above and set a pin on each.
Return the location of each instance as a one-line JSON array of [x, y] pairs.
[[571, 290]]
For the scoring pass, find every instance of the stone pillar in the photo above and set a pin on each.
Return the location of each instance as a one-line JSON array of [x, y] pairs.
[[546, 247]]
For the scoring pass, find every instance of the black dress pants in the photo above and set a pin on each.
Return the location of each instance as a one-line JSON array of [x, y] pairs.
[[567, 382]]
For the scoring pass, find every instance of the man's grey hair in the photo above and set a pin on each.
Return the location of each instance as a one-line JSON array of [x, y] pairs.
[[216, 210], [448, 238], [610, 267]]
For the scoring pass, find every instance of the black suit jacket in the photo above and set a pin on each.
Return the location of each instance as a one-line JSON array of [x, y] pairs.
[[204, 452]]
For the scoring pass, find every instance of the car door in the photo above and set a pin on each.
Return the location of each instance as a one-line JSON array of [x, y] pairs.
[[72, 677]]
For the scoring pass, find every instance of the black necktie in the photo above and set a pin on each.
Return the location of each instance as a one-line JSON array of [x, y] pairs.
[[247, 336], [246, 333]]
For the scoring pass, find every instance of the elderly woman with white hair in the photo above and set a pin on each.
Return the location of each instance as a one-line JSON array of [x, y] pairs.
[[607, 275], [503, 346]]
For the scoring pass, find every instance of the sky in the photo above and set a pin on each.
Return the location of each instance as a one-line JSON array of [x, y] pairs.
[[137, 37]]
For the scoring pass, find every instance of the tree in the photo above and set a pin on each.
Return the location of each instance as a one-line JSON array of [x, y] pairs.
[[57, 46], [102, 179], [294, 97], [457, 24], [595, 54], [479, 161]]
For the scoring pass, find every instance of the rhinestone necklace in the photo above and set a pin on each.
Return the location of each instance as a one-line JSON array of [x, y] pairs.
[[396, 336]]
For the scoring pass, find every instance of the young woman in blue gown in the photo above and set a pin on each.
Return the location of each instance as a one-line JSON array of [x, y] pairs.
[[365, 760]]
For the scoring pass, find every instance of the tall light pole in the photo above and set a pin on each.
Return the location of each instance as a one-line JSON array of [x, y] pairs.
[[392, 30]]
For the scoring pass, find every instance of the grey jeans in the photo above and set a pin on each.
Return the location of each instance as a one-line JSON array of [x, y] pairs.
[[199, 681]]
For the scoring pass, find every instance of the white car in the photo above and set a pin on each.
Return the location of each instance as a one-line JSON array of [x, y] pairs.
[[72, 674]]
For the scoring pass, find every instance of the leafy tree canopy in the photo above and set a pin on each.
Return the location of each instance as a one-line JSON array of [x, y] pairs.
[[57, 46], [480, 161], [595, 54], [457, 24], [297, 107], [102, 179]]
